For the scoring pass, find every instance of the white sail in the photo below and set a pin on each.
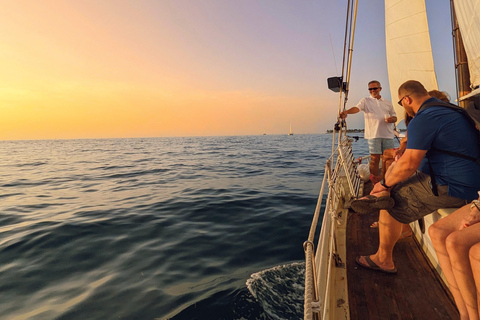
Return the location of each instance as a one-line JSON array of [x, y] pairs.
[[468, 16], [409, 52]]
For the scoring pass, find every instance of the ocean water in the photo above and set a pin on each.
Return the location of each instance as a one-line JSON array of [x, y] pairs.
[[157, 228]]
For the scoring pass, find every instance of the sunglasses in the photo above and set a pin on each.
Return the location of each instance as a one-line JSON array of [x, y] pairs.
[[374, 88], [400, 101]]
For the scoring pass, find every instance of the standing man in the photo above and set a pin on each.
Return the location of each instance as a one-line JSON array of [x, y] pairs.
[[379, 116]]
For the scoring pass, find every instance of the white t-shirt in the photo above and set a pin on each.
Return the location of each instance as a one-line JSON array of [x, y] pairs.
[[375, 111]]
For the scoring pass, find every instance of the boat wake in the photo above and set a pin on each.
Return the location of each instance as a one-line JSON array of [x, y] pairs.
[[280, 290]]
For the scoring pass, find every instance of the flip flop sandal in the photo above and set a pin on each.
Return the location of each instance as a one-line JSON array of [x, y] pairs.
[[371, 204], [373, 266]]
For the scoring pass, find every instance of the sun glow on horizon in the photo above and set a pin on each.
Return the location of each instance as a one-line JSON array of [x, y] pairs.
[[93, 70], [120, 68]]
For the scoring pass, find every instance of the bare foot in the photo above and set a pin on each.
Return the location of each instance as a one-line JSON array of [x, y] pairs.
[[381, 194], [406, 231]]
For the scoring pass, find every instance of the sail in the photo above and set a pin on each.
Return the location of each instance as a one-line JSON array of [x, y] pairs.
[[409, 52], [468, 16]]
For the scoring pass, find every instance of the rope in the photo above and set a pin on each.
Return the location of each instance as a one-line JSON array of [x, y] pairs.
[[312, 305], [310, 281], [318, 279], [307, 310]]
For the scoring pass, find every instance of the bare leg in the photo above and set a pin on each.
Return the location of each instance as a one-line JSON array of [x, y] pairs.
[[439, 233], [475, 263], [458, 247], [389, 232], [387, 159], [375, 163]]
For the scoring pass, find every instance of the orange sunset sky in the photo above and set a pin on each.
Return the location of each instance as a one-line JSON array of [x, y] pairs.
[[155, 68]]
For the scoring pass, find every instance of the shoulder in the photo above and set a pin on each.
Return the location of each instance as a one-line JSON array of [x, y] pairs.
[[436, 104], [385, 101], [424, 123], [434, 116], [430, 109], [362, 103]]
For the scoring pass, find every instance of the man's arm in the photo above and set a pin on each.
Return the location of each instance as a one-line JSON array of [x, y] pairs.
[[352, 110], [404, 168], [392, 119]]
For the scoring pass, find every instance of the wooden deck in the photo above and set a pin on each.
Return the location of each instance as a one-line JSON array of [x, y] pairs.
[[415, 292]]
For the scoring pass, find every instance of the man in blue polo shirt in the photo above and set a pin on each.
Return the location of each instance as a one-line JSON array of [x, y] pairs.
[[409, 183]]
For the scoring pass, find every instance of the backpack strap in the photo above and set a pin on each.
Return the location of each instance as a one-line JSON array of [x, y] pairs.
[[455, 154], [432, 177], [466, 115]]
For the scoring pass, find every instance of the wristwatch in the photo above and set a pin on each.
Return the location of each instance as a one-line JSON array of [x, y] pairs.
[[382, 182]]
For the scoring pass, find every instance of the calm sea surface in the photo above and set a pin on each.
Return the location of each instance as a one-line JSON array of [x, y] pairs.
[[158, 228]]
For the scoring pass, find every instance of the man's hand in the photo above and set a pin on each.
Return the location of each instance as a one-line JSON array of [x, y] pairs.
[[378, 189]]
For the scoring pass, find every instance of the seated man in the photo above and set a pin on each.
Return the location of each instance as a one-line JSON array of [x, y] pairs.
[[389, 155], [456, 240], [456, 179]]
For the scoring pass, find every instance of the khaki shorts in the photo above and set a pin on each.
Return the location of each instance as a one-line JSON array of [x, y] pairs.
[[414, 198]]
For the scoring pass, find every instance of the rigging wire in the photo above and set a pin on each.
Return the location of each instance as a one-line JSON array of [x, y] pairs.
[[347, 19], [346, 61], [333, 52]]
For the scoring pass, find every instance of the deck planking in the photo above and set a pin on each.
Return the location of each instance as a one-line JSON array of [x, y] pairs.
[[415, 292]]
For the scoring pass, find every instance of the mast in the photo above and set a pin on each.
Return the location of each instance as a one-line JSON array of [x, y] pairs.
[[462, 72]]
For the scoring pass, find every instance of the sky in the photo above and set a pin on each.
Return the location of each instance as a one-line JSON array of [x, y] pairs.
[[75, 69]]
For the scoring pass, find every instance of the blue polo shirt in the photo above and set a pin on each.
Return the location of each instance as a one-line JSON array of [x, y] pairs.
[[446, 129]]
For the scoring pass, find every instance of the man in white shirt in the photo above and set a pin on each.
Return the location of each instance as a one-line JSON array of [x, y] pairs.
[[379, 116]]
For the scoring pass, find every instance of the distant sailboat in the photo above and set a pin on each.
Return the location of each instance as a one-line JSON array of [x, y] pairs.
[[290, 133]]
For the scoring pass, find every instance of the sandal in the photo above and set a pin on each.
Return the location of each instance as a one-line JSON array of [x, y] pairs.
[[371, 204], [406, 233], [373, 266]]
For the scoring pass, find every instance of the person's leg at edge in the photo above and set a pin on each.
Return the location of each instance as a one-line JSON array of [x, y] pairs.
[[375, 151], [438, 234], [458, 246], [375, 164], [389, 232], [387, 155], [475, 263], [387, 160]]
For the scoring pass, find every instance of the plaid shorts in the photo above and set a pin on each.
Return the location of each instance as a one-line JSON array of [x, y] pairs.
[[414, 198]]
